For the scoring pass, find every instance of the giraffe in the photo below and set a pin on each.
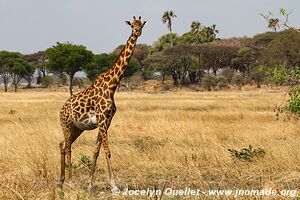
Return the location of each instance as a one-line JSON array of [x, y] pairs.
[[94, 108]]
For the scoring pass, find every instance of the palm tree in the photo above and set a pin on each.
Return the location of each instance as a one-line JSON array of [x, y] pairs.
[[196, 27], [211, 33], [167, 19]]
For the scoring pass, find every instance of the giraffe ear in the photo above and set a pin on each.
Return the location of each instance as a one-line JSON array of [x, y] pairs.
[[144, 23], [128, 22]]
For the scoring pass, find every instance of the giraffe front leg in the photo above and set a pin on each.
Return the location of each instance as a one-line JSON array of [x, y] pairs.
[[95, 157], [114, 188]]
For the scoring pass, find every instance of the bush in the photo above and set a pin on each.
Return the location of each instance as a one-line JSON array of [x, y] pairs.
[[238, 80], [78, 82], [293, 104], [222, 83], [227, 73], [247, 154], [48, 81], [209, 82], [53, 81]]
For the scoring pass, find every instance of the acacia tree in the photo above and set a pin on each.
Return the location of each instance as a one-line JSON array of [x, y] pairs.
[[181, 63], [21, 69], [6, 60], [12, 65], [167, 19], [38, 60], [284, 51], [68, 58]]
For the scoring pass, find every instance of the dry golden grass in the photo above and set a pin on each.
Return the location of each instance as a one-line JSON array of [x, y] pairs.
[[175, 140]]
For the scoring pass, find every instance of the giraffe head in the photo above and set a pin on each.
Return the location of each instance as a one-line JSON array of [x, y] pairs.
[[136, 25]]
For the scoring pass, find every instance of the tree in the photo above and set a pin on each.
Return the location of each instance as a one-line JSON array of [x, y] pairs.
[[163, 42], [245, 58], [167, 19], [282, 21], [6, 59], [199, 34], [196, 27], [68, 58], [182, 63], [210, 33], [140, 53], [216, 57], [13, 66], [38, 60], [286, 57], [21, 69], [283, 50]]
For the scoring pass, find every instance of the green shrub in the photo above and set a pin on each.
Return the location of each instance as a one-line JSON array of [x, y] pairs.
[[247, 154], [222, 83], [209, 82], [48, 81], [293, 104], [78, 82], [85, 161], [238, 80], [227, 73]]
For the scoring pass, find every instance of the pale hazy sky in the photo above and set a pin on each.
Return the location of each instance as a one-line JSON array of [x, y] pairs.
[[32, 25]]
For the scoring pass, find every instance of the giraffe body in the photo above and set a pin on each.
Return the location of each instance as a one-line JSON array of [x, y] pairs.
[[94, 108]]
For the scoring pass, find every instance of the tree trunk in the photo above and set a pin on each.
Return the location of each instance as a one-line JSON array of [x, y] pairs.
[[5, 84], [71, 84], [163, 76], [16, 86], [29, 84], [175, 78], [171, 36], [215, 71]]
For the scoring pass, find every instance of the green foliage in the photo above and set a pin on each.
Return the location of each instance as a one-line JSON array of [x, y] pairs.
[[247, 154], [53, 81], [81, 82], [164, 42], [293, 104], [209, 82], [47, 81], [227, 73], [212, 82], [280, 75], [222, 83], [103, 62], [258, 76], [238, 80], [85, 161], [68, 58], [283, 50]]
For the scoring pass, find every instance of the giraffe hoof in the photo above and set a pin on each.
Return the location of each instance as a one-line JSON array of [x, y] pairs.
[[115, 190]]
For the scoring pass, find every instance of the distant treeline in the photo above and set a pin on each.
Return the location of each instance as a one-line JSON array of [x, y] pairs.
[[196, 57]]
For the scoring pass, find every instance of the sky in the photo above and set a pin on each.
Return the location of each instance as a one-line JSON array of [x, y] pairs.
[[28, 26]]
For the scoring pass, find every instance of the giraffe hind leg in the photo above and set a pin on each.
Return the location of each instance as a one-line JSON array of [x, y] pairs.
[[62, 164], [65, 150]]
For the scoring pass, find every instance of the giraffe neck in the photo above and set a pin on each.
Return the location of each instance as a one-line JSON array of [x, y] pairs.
[[118, 69]]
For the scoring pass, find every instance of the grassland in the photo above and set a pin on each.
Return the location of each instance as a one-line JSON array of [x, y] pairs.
[[160, 140]]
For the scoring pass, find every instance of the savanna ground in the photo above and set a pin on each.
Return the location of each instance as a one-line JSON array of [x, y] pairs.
[[157, 140]]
